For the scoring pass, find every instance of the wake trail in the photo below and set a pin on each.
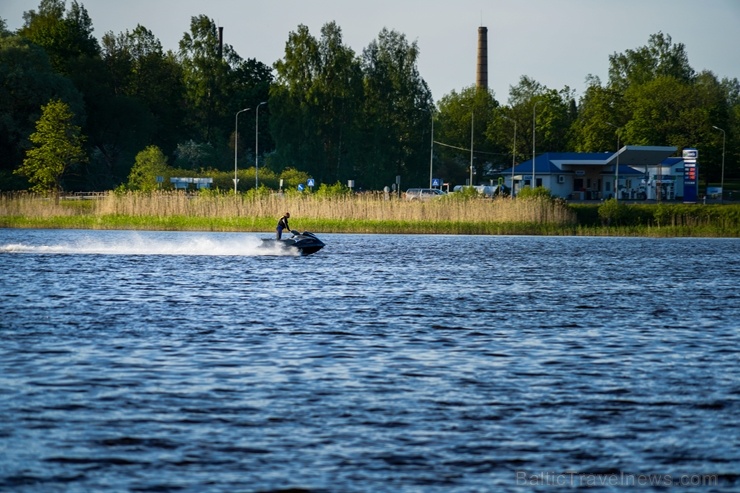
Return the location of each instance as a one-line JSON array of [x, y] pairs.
[[136, 244]]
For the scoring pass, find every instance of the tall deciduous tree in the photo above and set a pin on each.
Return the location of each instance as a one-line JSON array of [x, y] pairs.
[[57, 146], [602, 114], [65, 36], [140, 69], [659, 58], [551, 110], [470, 112], [398, 111], [206, 73], [27, 82], [315, 103]]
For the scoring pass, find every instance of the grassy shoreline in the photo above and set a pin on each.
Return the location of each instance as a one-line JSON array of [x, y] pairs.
[[366, 214]]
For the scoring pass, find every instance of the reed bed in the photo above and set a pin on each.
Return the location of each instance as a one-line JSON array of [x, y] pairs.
[[366, 207], [358, 213], [39, 206]]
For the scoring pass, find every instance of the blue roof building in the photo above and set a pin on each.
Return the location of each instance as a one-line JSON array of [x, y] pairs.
[[592, 175]]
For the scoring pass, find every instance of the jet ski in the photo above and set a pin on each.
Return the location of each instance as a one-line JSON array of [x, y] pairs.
[[306, 243]]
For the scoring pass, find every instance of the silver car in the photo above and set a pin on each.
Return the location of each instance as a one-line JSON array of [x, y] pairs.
[[423, 193]]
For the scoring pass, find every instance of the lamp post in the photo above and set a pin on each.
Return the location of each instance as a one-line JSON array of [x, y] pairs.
[[472, 128], [722, 183], [616, 180], [431, 154], [513, 156], [256, 145], [236, 142], [534, 141]]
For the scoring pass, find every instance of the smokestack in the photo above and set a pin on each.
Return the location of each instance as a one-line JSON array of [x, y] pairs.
[[481, 75], [220, 42]]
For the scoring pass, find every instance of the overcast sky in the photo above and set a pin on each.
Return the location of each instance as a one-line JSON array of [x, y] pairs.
[[556, 42]]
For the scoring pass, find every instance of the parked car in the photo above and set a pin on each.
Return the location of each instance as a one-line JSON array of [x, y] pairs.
[[424, 193]]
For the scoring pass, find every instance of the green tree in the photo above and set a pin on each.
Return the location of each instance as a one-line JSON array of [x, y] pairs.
[[659, 58], [139, 69], [207, 74], [552, 110], [150, 163], [65, 36], [194, 155], [601, 110], [398, 111], [4, 28], [460, 114], [251, 81], [27, 82], [315, 102], [654, 97], [57, 146]]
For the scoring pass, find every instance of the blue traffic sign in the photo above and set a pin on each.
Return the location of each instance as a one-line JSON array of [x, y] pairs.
[[436, 182], [300, 187], [310, 182]]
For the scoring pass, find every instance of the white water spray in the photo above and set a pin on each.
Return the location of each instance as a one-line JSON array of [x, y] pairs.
[[153, 243]]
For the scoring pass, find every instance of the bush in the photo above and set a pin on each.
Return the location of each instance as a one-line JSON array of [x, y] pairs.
[[612, 212], [292, 178], [333, 191], [534, 193], [149, 164]]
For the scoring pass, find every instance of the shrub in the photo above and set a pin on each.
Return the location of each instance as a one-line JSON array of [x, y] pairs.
[[333, 191], [534, 193], [612, 212], [149, 164]]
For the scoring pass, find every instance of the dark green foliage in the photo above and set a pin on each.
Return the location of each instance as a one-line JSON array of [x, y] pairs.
[[315, 105], [336, 114], [27, 82], [65, 37], [57, 145]]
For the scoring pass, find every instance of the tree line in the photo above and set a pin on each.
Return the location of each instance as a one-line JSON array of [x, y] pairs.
[[322, 109]]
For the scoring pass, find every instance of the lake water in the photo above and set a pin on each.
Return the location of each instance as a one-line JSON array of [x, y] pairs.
[[193, 362]]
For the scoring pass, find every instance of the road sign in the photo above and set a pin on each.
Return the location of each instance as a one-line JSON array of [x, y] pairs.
[[310, 182], [436, 183], [300, 187]]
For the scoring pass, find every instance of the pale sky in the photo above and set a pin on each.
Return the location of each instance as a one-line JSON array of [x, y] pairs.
[[556, 42]]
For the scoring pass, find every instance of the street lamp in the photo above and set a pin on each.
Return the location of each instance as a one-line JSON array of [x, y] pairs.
[[472, 128], [534, 140], [722, 183], [236, 143], [513, 156], [431, 154], [256, 145], [616, 180]]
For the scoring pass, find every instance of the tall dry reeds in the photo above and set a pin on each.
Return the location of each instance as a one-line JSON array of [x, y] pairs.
[[363, 213], [368, 207], [364, 207], [40, 206]]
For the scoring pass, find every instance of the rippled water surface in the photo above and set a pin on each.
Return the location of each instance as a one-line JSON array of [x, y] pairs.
[[195, 362]]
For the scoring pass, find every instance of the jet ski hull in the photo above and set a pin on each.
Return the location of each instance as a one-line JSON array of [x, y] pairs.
[[306, 243]]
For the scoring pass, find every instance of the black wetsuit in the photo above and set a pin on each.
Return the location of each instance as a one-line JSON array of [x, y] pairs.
[[281, 225]]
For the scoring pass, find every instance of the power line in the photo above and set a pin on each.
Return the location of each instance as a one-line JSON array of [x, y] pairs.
[[468, 149]]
